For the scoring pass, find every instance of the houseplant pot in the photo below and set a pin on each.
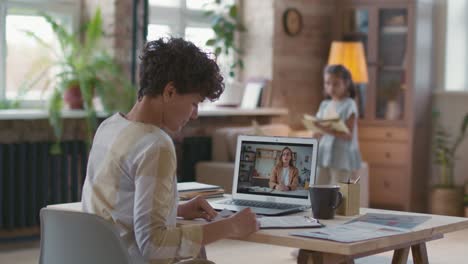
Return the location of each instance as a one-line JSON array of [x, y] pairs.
[[447, 201], [72, 96]]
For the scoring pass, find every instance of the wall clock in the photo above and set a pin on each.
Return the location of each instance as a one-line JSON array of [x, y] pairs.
[[292, 21]]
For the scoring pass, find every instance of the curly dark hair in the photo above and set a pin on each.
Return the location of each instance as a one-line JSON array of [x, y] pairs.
[[181, 62]]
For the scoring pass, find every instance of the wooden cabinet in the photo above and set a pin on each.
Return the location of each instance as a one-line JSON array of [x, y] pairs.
[[395, 105], [390, 189]]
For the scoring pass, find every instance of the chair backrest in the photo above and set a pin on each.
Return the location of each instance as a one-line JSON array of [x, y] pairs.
[[76, 237]]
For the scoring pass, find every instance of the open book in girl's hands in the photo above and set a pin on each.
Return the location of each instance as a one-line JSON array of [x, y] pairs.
[[334, 123]]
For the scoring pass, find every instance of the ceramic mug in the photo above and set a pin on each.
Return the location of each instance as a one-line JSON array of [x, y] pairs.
[[324, 200]]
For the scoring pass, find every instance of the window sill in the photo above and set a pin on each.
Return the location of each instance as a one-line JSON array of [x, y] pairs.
[[33, 114]]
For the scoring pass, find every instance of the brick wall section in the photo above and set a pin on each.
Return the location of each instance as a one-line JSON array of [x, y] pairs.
[[298, 61]]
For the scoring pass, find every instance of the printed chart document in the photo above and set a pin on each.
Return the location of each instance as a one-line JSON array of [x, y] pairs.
[[294, 221], [352, 232], [334, 123], [393, 220], [368, 226]]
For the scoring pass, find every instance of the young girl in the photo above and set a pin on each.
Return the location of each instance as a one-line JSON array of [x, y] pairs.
[[338, 154]]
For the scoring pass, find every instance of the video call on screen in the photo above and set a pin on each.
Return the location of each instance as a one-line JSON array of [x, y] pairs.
[[258, 160]]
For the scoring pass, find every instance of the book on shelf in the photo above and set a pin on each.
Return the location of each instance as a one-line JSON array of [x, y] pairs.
[[189, 190], [334, 123]]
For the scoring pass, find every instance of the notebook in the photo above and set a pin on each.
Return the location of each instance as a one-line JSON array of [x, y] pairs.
[[255, 158]]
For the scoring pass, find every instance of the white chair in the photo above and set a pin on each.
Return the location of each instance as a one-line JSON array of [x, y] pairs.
[[76, 237]]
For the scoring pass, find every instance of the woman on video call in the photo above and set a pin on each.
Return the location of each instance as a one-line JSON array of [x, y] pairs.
[[284, 176]]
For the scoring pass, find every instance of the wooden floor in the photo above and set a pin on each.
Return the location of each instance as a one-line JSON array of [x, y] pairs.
[[451, 249]]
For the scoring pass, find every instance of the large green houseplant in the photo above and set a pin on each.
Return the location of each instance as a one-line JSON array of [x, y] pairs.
[[225, 23], [446, 197], [81, 62]]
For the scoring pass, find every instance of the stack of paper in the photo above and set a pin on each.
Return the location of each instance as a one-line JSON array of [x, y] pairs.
[[334, 123], [189, 190]]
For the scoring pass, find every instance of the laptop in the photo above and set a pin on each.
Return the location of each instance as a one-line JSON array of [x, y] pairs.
[[256, 156]]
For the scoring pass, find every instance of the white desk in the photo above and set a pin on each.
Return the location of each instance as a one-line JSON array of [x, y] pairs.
[[324, 251]]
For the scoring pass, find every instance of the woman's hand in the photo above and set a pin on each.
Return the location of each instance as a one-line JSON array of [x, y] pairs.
[[243, 223], [198, 207], [281, 187]]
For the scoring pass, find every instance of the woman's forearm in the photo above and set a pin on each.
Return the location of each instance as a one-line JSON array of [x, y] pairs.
[[216, 230]]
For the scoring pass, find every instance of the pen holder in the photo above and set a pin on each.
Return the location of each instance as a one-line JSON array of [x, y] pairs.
[[350, 204]]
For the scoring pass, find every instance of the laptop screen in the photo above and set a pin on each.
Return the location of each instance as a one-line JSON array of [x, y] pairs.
[[280, 169]]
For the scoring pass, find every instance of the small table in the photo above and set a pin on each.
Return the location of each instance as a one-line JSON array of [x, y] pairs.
[[318, 251]]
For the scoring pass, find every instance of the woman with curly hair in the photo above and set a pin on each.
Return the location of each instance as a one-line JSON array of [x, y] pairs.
[[131, 177]]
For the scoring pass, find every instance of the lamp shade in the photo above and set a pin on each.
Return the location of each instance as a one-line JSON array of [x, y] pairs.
[[351, 55]]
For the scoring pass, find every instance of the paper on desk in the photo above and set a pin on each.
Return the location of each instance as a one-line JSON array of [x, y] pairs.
[[393, 220], [223, 214], [295, 221], [352, 232], [336, 124]]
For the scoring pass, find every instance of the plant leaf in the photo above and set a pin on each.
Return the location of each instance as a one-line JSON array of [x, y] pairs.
[[210, 42], [218, 51], [233, 11]]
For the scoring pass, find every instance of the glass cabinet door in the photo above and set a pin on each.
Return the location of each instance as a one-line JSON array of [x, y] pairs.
[[356, 28], [391, 78]]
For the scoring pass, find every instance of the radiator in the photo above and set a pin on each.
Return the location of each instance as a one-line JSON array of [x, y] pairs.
[[31, 178]]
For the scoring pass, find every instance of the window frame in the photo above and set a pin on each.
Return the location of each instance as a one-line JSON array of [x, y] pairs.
[[68, 8], [178, 18], [181, 17]]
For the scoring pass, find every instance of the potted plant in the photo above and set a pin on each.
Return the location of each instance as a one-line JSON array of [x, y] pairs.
[[225, 23], [81, 70], [446, 197]]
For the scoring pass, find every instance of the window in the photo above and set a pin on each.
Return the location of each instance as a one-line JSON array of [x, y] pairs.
[[456, 69], [185, 19], [22, 59]]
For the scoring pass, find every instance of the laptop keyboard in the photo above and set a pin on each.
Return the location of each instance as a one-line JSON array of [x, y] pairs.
[[260, 204]]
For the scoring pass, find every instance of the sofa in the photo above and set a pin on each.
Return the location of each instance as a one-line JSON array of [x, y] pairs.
[[220, 170]]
